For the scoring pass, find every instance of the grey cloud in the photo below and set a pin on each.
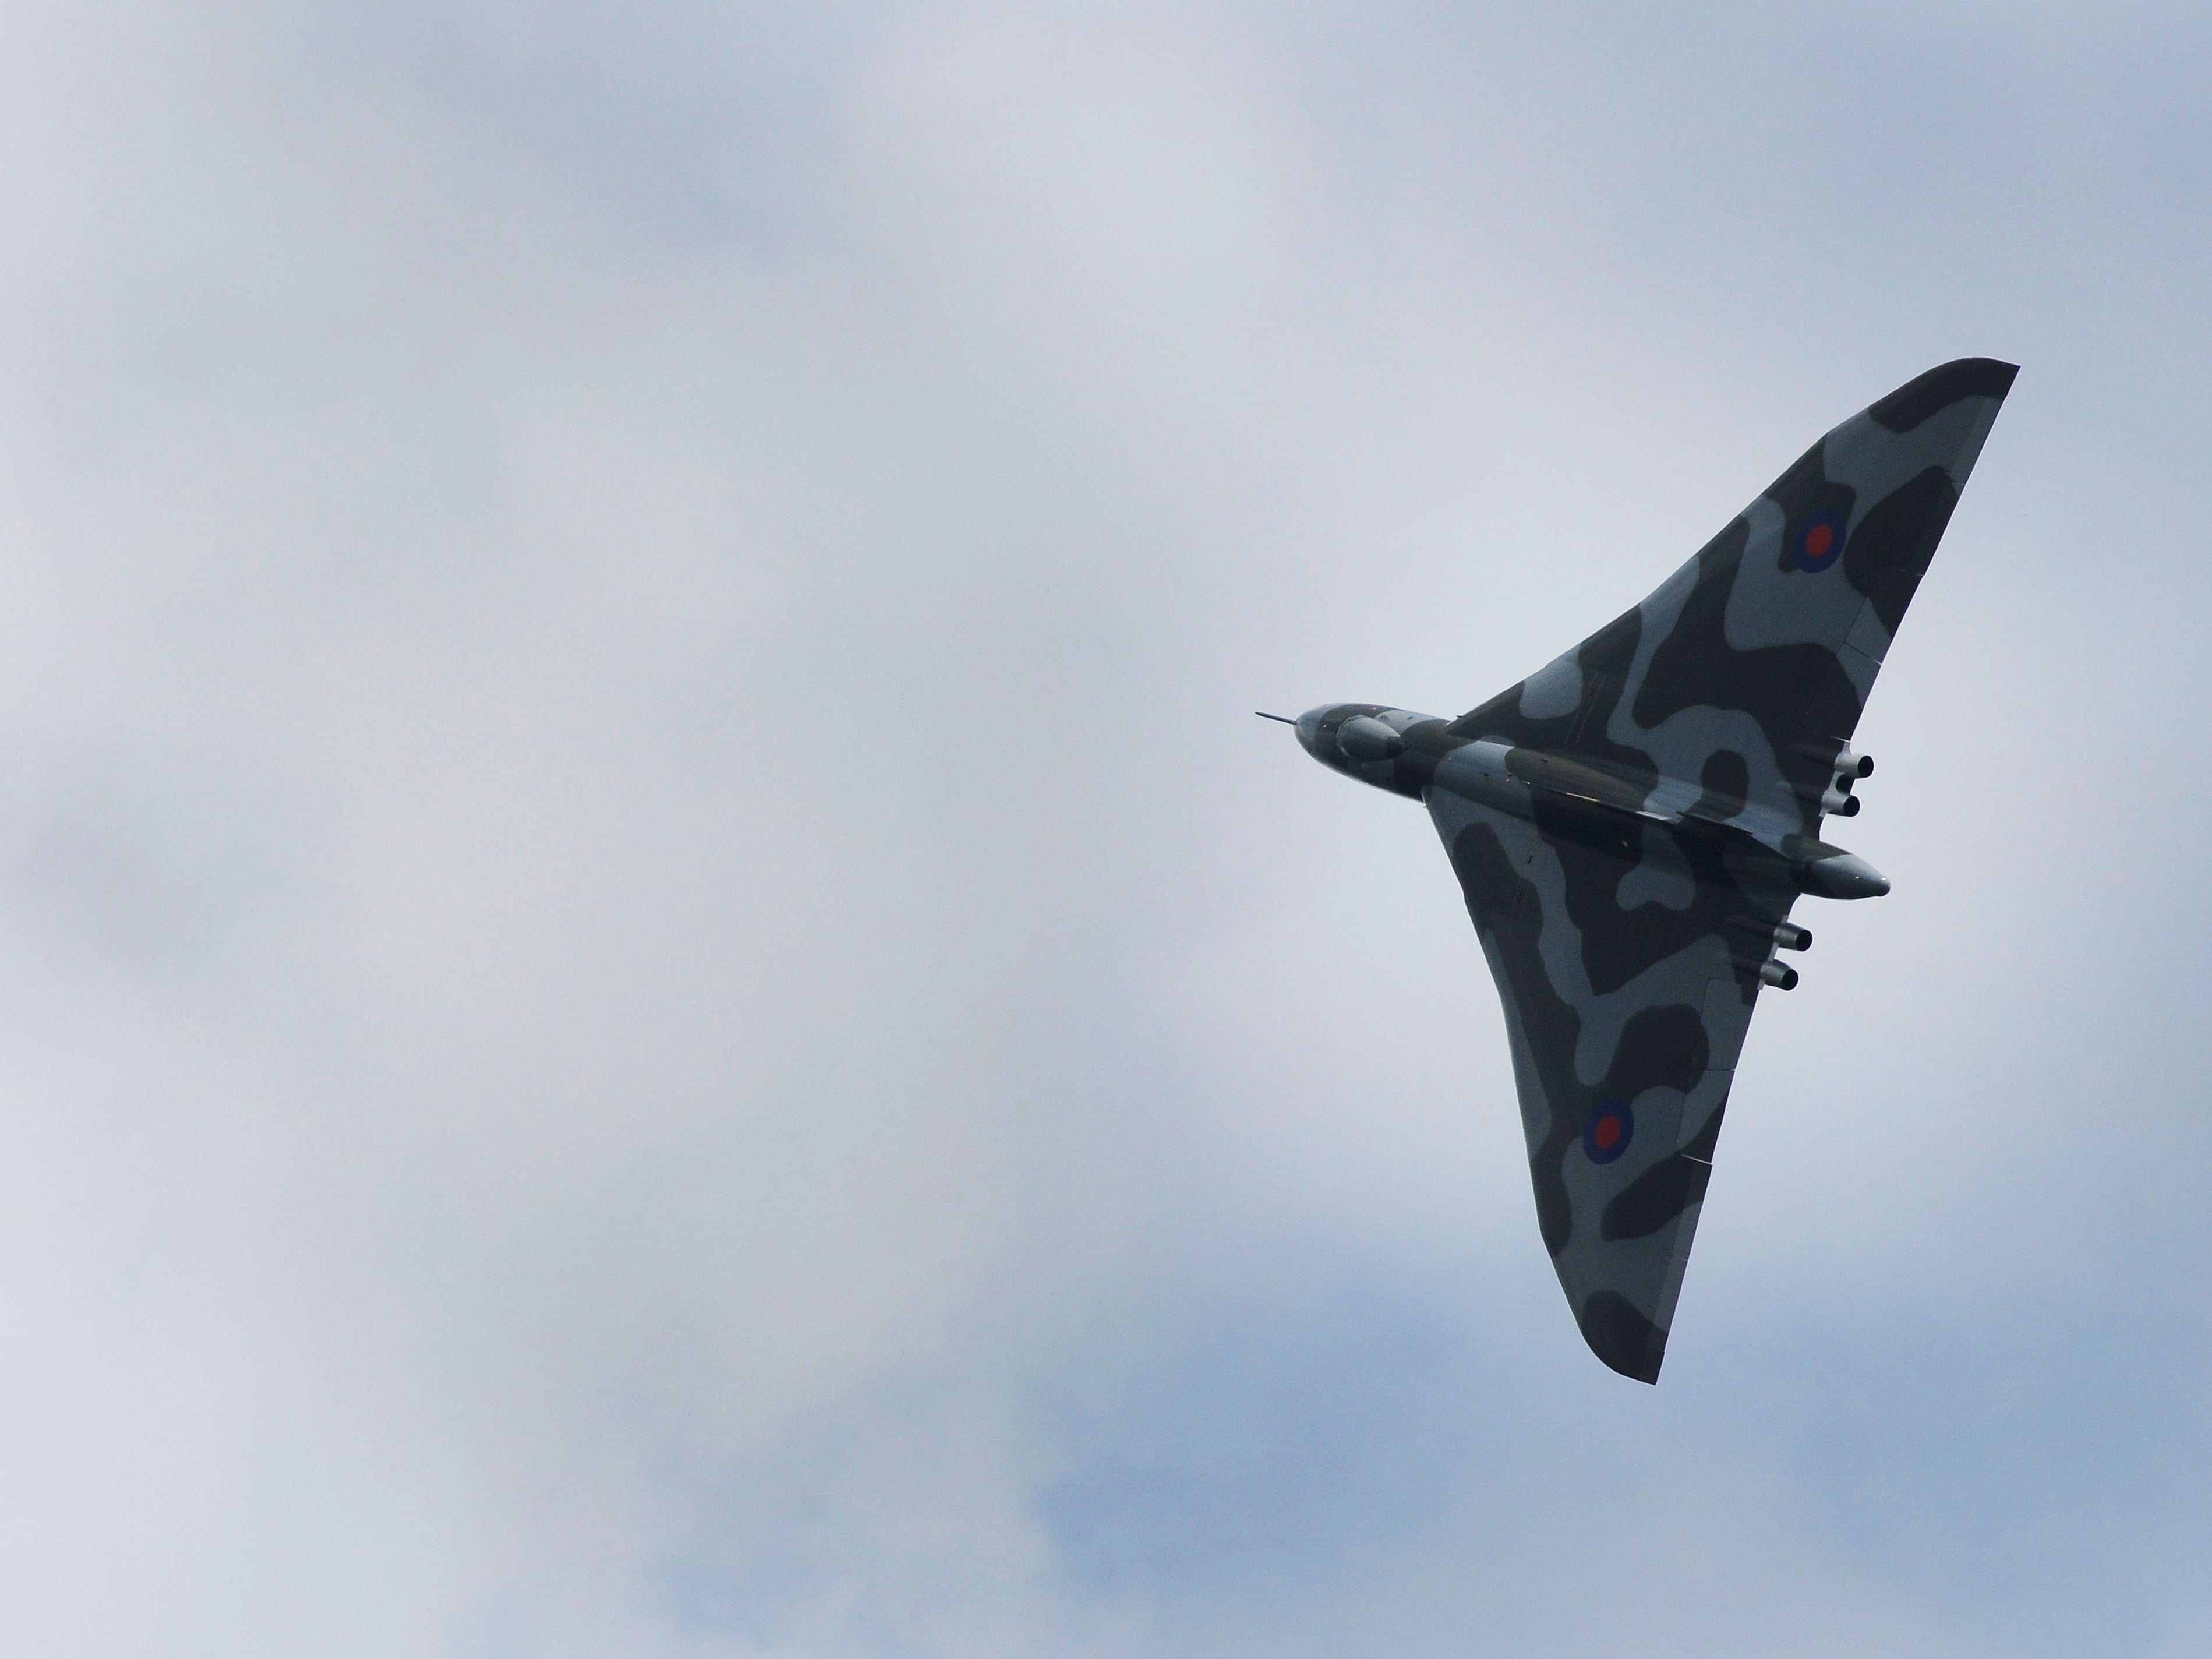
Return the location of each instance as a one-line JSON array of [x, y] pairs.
[[656, 998]]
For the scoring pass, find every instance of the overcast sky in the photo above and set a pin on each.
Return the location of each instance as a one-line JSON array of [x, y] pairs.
[[657, 997]]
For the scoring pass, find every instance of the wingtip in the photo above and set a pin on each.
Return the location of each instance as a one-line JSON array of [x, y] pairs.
[[1939, 387], [1618, 1332]]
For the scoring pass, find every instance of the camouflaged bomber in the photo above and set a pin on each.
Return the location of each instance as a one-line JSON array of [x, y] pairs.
[[1633, 822]]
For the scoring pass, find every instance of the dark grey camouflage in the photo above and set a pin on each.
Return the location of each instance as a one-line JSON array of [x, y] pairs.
[[1632, 825]]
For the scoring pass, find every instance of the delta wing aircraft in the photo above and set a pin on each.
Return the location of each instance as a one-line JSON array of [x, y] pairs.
[[1633, 822]]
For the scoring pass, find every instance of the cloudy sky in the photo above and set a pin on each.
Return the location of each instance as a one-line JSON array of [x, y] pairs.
[[658, 998]]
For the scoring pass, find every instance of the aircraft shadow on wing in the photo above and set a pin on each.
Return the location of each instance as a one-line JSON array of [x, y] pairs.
[[1632, 824]]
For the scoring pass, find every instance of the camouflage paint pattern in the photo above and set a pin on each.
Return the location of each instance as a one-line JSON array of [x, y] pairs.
[[1632, 824]]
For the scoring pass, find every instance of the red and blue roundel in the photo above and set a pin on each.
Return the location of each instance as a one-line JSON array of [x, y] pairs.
[[1611, 1126], [1818, 541]]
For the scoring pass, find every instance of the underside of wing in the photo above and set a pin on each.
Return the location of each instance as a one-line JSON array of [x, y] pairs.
[[1626, 956], [1738, 680]]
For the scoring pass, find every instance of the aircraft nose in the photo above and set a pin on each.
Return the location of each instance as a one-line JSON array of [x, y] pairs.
[[1308, 727]]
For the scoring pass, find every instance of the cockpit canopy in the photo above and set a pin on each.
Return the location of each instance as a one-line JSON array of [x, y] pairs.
[[1364, 740]]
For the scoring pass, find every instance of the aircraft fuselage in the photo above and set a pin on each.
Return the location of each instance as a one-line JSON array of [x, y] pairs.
[[1576, 797]]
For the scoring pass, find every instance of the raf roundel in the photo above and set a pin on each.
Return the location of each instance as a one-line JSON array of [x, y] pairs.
[[1611, 1126], [1818, 541]]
